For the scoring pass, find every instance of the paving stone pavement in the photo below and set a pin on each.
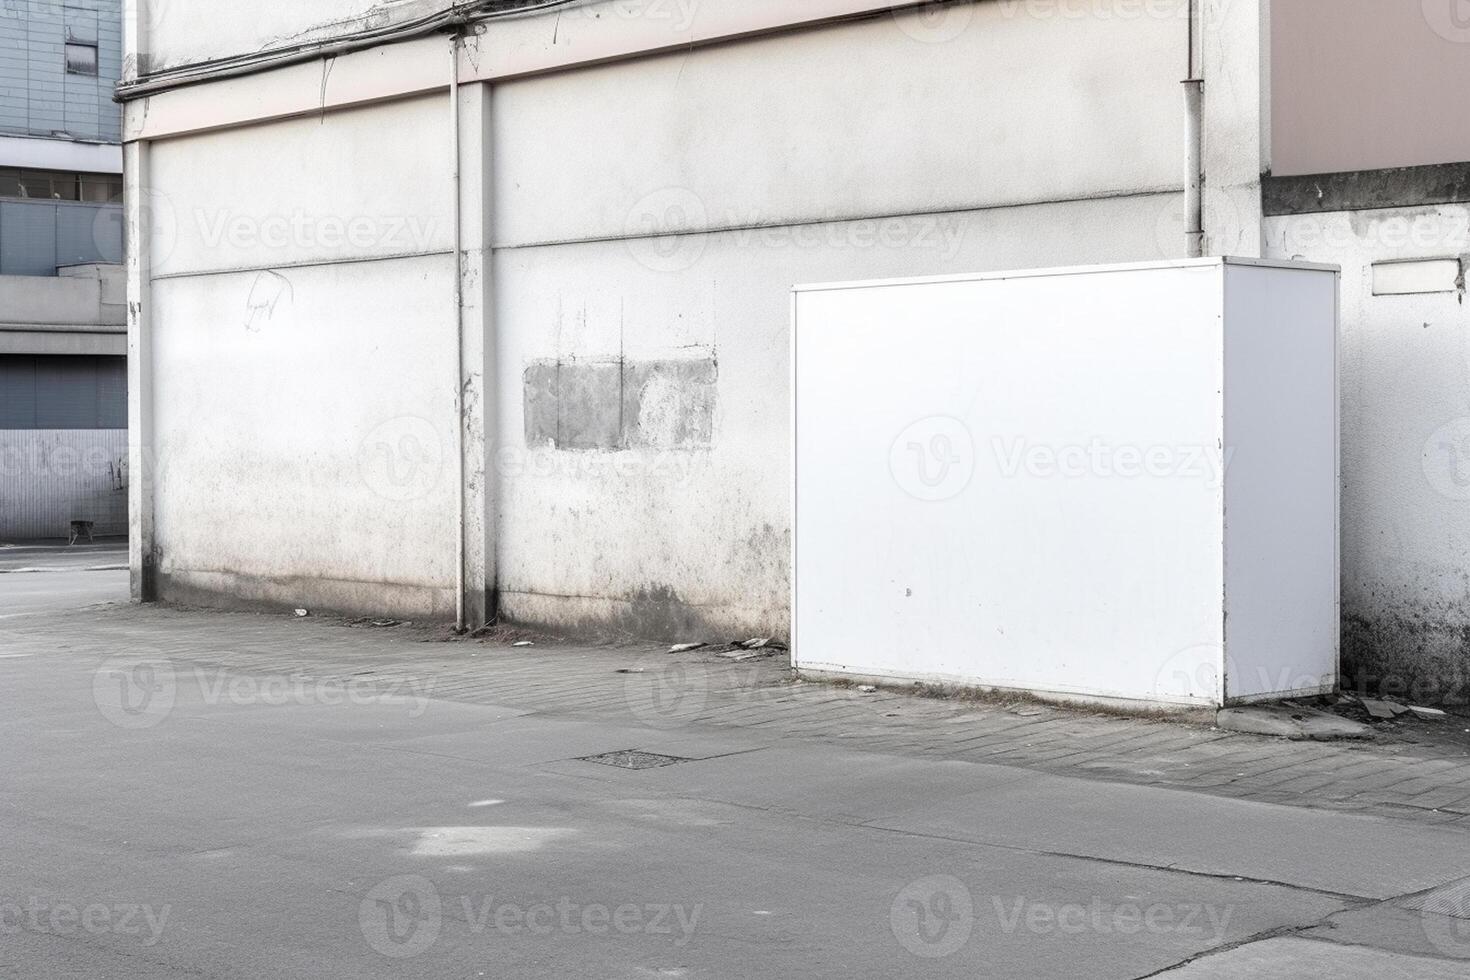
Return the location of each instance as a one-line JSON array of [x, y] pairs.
[[1419, 773]]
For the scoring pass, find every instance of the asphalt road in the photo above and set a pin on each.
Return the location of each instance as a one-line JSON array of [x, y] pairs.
[[38, 580], [165, 821]]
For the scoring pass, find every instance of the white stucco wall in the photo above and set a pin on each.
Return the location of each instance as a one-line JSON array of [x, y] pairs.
[[303, 361], [756, 172], [1406, 445], [645, 215]]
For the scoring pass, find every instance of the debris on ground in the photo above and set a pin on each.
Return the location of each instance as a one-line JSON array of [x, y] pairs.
[[1382, 710], [523, 643], [302, 613], [1427, 714], [367, 622], [1290, 721], [687, 647], [867, 689], [762, 643], [506, 635]]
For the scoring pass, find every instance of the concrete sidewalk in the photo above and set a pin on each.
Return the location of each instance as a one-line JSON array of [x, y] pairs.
[[198, 794], [1414, 770]]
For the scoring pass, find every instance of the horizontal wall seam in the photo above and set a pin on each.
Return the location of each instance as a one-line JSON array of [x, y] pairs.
[[319, 263], [812, 222], [1366, 190]]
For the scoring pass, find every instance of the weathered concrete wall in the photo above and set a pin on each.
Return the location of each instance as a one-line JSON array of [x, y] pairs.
[[51, 477], [302, 350], [644, 221], [1406, 441], [651, 218]]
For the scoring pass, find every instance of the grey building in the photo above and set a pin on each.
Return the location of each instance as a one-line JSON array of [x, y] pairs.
[[63, 335]]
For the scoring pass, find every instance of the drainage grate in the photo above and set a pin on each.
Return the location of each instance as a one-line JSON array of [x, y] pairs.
[[633, 759]]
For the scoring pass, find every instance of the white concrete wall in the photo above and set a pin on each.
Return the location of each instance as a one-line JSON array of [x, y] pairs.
[[1406, 445], [303, 365], [849, 152], [648, 217], [51, 477]]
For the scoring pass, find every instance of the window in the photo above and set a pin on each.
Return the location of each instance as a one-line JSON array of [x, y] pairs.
[[46, 392], [55, 185], [81, 59]]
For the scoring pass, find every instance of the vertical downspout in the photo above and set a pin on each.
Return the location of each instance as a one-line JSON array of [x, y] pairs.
[[459, 426], [1194, 178]]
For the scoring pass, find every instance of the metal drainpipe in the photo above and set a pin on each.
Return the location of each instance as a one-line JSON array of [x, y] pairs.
[[1194, 178], [459, 439]]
